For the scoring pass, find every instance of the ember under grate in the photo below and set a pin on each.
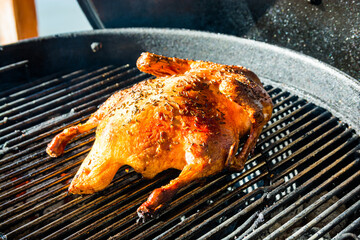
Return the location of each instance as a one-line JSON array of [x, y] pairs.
[[303, 180]]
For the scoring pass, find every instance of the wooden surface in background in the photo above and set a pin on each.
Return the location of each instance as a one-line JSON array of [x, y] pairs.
[[17, 20]]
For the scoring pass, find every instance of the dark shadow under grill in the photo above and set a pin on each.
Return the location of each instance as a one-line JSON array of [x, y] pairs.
[[302, 180]]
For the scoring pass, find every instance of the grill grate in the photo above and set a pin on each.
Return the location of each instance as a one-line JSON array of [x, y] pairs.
[[302, 178]]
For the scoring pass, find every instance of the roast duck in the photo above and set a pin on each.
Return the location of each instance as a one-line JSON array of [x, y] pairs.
[[190, 117]]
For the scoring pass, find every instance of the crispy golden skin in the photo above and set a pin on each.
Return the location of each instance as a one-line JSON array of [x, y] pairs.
[[190, 118]]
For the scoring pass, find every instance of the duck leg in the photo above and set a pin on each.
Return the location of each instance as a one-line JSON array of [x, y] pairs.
[[56, 147], [161, 196]]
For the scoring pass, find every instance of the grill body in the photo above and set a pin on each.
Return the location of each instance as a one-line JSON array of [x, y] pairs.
[[302, 179]]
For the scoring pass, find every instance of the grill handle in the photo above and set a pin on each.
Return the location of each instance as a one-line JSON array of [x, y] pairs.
[[91, 14]]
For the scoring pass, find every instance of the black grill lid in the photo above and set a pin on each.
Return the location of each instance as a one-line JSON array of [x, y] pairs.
[[327, 30]]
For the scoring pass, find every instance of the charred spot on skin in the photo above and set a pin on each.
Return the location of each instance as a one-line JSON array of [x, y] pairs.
[[164, 143], [161, 116], [163, 135]]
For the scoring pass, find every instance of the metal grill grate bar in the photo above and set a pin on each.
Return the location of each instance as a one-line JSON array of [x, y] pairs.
[[342, 136], [72, 203], [34, 163], [191, 195], [196, 227], [28, 153], [353, 226], [313, 206], [327, 157], [13, 66], [206, 211], [29, 193], [304, 113], [98, 202], [303, 127], [269, 196], [66, 84], [64, 105], [334, 130], [307, 109], [23, 89], [216, 217], [34, 133], [310, 182], [78, 152], [31, 208], [291, 208], [344, 215]]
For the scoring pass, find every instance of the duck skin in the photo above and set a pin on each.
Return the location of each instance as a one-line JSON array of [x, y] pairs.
[[190, 118]]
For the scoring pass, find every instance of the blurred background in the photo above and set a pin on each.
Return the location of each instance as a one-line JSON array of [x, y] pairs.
[[45, 17], [60, 16], [326, 30]]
